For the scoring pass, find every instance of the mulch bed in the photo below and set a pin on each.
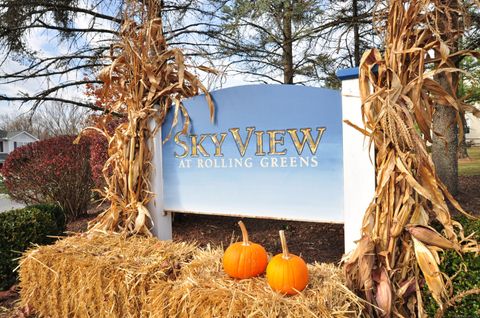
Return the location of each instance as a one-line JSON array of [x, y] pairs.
[[320, 242], [314, 241], [469, 194]]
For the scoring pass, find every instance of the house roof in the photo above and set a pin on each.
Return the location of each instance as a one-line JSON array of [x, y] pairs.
[[10, 134]]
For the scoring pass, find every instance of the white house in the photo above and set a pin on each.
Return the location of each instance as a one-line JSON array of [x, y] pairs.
[[11, 140], [472, 135]]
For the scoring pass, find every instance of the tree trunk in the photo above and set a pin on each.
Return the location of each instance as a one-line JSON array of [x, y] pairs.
[[462, 145], [444, 147], [445, 129], [287, 44], [356, 34]]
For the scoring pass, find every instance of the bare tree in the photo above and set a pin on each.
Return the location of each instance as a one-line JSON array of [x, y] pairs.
[[11, 122], [48, 121]]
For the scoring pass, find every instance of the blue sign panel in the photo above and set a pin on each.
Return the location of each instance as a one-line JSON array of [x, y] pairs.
[[273, 151]]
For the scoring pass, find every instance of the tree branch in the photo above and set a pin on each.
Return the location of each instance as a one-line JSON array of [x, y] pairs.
[[56, 6], [57, 99]]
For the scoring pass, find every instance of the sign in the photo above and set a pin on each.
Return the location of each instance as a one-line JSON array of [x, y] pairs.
[[272, 151]]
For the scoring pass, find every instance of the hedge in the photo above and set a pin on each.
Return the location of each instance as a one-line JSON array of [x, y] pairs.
[[467, 268], [21, 228], [57, 213]]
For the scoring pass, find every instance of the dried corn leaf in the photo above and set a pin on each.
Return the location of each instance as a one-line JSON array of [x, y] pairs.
[[145, 80], [399, 92]]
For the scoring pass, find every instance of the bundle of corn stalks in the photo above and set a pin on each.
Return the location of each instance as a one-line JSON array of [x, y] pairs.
[[399, 251], [145, 80]]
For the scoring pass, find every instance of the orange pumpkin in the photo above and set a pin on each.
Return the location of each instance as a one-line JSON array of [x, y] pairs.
[[245, 259], [287, 273]]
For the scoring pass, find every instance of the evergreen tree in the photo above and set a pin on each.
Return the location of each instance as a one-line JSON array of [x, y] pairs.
[[291, 41]]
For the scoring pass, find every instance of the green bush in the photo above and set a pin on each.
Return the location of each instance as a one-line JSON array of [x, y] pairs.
[[19, 229], [56, 211], [468, 277]]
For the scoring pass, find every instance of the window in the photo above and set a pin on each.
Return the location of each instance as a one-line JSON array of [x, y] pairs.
[[17, 144], [468, 123], [1, 146]]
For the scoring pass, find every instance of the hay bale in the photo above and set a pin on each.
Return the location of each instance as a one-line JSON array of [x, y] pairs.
[[101, 276], [110, 276], [204, 290]]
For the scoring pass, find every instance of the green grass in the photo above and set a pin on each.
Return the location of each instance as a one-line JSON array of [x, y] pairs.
[[470, 167]]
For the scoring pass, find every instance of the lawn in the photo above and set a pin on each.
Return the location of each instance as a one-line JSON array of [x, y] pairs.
[[471, 166]]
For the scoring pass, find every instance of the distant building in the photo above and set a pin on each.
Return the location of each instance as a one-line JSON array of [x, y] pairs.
[[472, 135], [11, 140]]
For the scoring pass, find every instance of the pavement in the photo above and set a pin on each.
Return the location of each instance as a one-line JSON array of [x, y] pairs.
[[7, 204]]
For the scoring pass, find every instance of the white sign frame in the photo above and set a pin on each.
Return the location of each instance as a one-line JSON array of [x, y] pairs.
[[359, 171]]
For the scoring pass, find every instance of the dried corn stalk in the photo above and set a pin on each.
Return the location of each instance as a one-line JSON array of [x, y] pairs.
[[145, 80], [398, 251]]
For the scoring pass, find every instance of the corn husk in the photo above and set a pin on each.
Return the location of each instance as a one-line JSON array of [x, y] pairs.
[[398, 251]]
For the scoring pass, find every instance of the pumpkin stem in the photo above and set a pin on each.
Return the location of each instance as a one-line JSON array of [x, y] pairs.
[[244, 233], [286, 255]]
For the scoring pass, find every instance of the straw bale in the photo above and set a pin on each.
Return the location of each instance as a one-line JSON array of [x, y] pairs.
[[204, 290], [113, 276], [99, 276]]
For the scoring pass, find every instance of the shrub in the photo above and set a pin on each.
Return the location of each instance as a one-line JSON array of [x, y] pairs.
[[56, 212], [18, 230], [467, 270], [51, 171], [99, 146], [98, 157]]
